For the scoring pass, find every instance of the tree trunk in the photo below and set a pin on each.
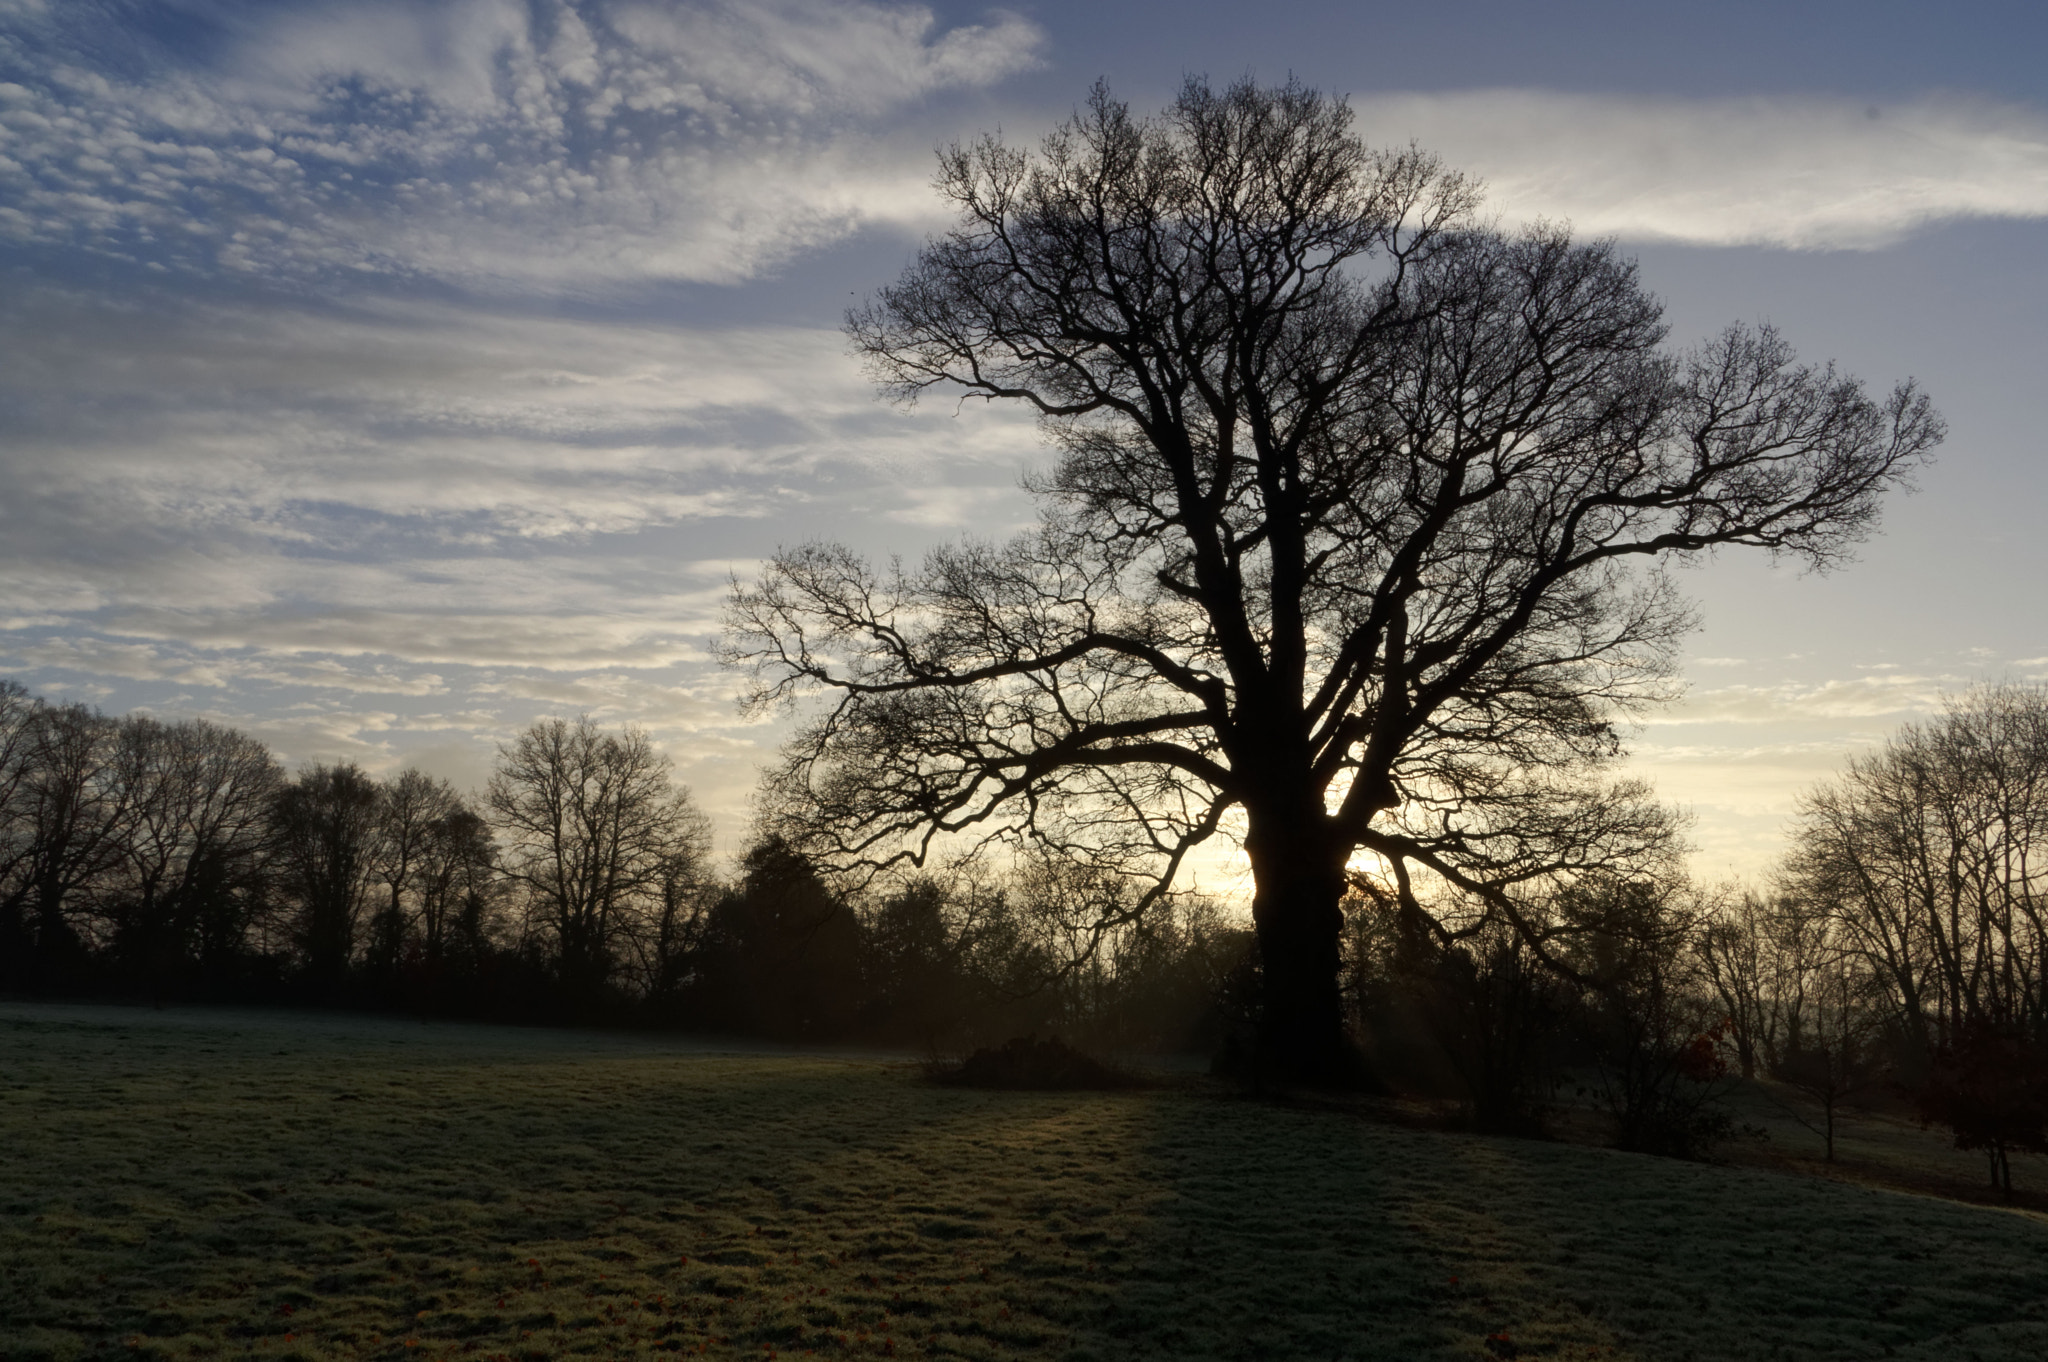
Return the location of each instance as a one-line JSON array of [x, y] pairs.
[[1298, 889], [16, 944], [58, 945]]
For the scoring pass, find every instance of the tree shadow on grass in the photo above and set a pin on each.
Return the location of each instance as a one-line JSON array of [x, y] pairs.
[[1283, 1233]]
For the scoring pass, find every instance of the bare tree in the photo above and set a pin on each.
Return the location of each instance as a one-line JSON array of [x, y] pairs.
[[1831, 1056], [413, 809], [1352, 543], [595, 831], [75, 813], [197, 800], [18, 724], [457, 887], [1738, 955], [1655, 1031], [1932, 855], [326, 827]]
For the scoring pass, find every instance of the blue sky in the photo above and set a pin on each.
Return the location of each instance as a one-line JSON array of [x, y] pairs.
[[380, 376]]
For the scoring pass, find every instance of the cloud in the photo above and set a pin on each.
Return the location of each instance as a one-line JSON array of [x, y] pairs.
[[1804, 173], [498, 144], [305, 479], [388, 433], [705, 703], [561, 147], [185, 665], [1885, 694]]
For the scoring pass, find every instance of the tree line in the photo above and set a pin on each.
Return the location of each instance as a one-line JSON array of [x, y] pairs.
[[1897, 956], [1906, 938], [1899, 951], [181, 861]]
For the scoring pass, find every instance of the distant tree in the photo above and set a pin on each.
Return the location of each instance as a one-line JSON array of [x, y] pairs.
[[1742, 953], [457, 888], [668, 942], [18, 730], [1989, 1085], [1169, 970], [1497, 1013], [781, 953], [413, 809], [198, 802], [326, 824], [1833, 1056], [1655, 1034], [1353, 544], [1930, 856], [594, 830], [74, 816], [914, 974]]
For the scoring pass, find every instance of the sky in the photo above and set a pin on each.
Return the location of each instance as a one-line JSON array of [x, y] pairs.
[[378, 377]]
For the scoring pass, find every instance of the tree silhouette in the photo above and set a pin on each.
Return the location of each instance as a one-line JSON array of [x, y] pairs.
[[1930, 856], [199, 803], [781, 954], [593, 828], [1352, 543], [77, 813], [327, 833], [20, 714]]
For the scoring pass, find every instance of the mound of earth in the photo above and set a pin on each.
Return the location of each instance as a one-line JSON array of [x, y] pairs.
[[1028, 1062]]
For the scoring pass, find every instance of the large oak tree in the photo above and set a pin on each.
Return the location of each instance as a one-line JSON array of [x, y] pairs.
[[1353, 544]]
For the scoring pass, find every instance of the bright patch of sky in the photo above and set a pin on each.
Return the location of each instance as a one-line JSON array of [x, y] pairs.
[[379, 376]]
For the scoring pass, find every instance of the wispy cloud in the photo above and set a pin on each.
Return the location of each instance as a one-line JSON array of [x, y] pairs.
[[191, 463], [1773, 171], [484, 141], [431, 522], [1884, 694]]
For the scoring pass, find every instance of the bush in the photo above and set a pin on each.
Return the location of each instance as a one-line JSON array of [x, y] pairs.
[[1030, 1063]]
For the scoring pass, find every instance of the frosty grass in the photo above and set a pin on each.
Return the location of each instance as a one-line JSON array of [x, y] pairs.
[[238, 1184]]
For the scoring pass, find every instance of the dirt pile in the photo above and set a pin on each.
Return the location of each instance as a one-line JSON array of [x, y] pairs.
[[1028, 1062]]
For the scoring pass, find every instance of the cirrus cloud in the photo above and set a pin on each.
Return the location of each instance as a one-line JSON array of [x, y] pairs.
[[1802, 173], [492, 142]]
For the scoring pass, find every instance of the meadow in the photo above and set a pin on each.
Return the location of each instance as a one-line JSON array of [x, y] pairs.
[[187, 1184]]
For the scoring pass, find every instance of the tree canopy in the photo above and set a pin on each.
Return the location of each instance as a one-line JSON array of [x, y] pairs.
[[1353, 542]]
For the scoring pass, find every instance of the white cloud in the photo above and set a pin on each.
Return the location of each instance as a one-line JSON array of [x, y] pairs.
[[555, 146], [185, 666], [432, 467], [1884, 694], [1775, 171], [499, 144]]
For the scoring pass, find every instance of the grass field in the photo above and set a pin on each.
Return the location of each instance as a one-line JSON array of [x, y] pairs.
[[218, 1184]]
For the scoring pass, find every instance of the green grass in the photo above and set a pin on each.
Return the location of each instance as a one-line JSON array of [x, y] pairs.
[[217, 1184]]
